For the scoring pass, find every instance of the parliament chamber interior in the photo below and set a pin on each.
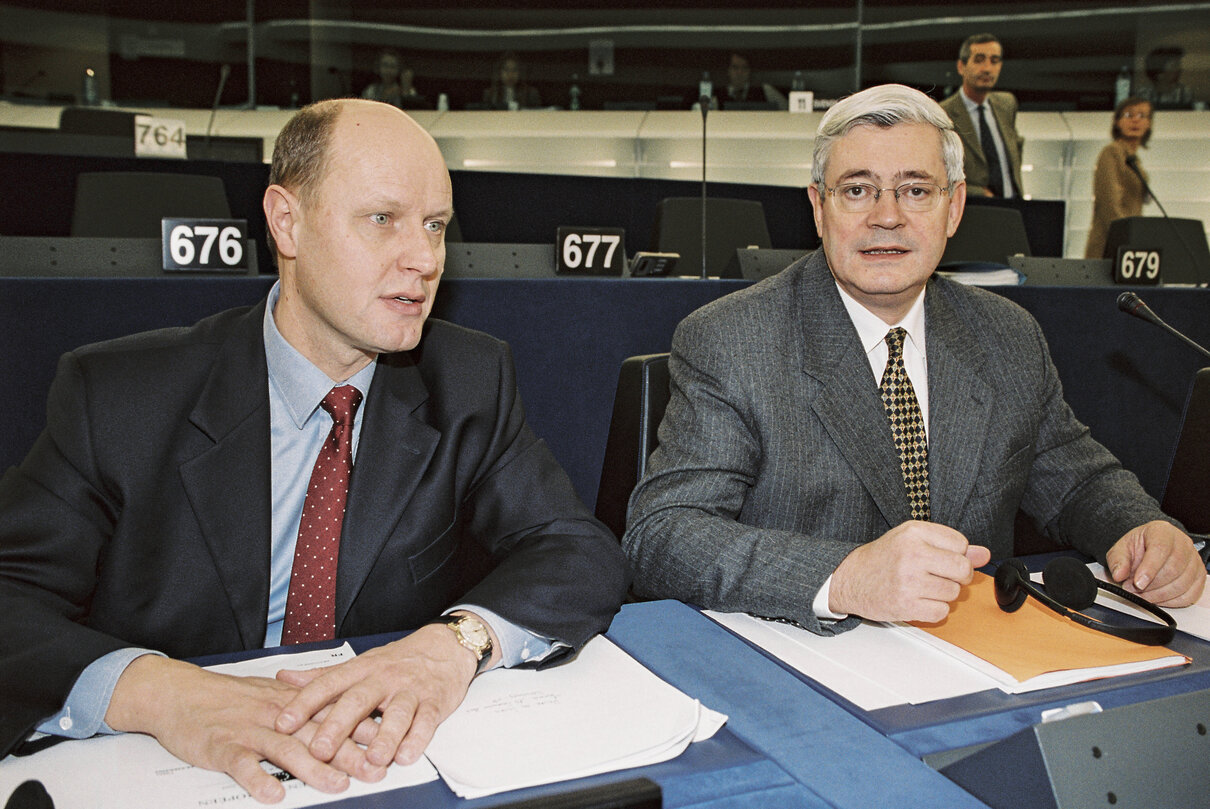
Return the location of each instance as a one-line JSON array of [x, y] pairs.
[[121, 120]]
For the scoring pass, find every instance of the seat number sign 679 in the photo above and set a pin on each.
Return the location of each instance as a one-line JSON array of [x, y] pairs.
[[1137, 266], [206, 245]]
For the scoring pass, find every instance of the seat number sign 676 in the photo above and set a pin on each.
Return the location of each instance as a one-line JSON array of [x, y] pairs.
[[207, 245]]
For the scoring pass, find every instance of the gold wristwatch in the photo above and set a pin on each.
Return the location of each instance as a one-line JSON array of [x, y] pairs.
[[471, 633]]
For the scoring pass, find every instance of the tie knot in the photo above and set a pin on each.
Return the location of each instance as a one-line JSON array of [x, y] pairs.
[[341, 403], [894, 341]]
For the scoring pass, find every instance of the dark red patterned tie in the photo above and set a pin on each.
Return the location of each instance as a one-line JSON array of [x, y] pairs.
[[311, 603]]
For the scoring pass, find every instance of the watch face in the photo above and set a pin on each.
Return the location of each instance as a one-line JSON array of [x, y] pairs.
[[475, 632]]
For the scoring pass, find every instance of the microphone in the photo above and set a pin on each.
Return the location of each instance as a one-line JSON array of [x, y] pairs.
[[704, 103], [1132, 161], [223, 73], [1132, 304]]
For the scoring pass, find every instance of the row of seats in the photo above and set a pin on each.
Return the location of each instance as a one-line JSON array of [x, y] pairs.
[[131, 204]]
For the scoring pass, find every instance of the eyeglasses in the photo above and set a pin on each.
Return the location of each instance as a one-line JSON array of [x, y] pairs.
[[1136, 115], [913, 197]]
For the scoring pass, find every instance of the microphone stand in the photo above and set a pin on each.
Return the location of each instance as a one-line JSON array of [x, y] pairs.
[[1133, 163], [224, 72], [704, 103], [1132, 304]]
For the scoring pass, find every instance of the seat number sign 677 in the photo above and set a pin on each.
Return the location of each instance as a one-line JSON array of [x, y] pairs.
[[206, 245], [590, 251]]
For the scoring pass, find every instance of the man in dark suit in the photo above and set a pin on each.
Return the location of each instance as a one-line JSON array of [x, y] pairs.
[[790, 482], [986, 121], [163, 507]]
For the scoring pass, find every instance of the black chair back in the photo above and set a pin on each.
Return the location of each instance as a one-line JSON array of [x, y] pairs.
[[130, 204], [987, 233], [1187, 493], [638, 409], [730, 224]]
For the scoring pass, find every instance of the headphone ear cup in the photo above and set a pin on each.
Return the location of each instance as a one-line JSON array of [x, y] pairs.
[[1070, 582], [1010, 595]]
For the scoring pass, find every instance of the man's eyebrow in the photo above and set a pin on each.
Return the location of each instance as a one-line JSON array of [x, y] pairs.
[[897, 177]]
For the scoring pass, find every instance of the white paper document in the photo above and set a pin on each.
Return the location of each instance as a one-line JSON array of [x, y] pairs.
[[873, 666], [132, 771], [599, 713]]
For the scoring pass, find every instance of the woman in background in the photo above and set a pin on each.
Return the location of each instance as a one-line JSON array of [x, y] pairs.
[[508, 90], [394, 85], [1118, 187]]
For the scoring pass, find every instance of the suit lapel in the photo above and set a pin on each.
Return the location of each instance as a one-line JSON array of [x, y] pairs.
[[964, 125], [227, 481], [848, 403], [959, 406], [393, 453]]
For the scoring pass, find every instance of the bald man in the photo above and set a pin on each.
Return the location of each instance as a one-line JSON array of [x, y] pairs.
[[160, 515]]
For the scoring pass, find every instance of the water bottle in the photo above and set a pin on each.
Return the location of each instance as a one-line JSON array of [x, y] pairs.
[[800, 81], [443, 102], [574, 93], [705, 87], [89, 95], [1121, 87]]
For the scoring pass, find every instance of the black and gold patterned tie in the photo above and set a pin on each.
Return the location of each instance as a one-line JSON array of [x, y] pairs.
[[907, 425]]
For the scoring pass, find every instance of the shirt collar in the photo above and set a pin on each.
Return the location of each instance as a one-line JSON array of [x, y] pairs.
[[300, 384], [972, 106], [872, 330]]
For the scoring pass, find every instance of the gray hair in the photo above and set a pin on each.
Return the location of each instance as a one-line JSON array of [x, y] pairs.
[[885, 106]]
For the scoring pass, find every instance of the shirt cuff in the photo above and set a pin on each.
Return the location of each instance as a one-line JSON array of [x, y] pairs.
[[820, 605], [518, 645], [83, 712]]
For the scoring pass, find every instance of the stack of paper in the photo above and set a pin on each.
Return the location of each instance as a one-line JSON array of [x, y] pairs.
[[133, 771], [1034, 647], [602, 712], [979, 647]]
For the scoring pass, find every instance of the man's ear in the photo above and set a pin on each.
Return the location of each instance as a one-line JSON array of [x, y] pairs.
[[281, 217]]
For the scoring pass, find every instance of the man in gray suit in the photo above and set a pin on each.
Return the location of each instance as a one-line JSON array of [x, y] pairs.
[[779, 487], [986, 121]]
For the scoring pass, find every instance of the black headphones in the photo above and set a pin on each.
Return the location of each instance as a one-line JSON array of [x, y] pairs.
[[1070, 584]]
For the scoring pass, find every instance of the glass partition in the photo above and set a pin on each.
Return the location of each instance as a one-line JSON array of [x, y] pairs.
[[579, 55]]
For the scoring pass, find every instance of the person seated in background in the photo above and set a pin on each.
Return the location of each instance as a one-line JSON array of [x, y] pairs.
[[740, 89], [1119, 182], [1164, 88], [329, 463], [394, 85], [508, 90], [853, 436]]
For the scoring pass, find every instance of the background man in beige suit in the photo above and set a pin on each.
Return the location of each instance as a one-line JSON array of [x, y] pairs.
[[991, 157]]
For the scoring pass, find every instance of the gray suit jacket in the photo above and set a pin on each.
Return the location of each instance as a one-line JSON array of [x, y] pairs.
[[776, 458], [1004, 110]]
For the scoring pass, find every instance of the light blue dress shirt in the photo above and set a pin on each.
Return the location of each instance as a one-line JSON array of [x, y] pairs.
[[298, 427]]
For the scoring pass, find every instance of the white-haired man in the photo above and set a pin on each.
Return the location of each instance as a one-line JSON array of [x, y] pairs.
[[840, 436]]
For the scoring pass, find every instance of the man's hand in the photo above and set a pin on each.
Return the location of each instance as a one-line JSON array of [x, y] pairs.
[[226, 723], [910, 573], [1158, 561], [414, 683]]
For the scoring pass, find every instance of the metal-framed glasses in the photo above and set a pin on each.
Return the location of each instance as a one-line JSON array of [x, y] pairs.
[[914, 197]]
